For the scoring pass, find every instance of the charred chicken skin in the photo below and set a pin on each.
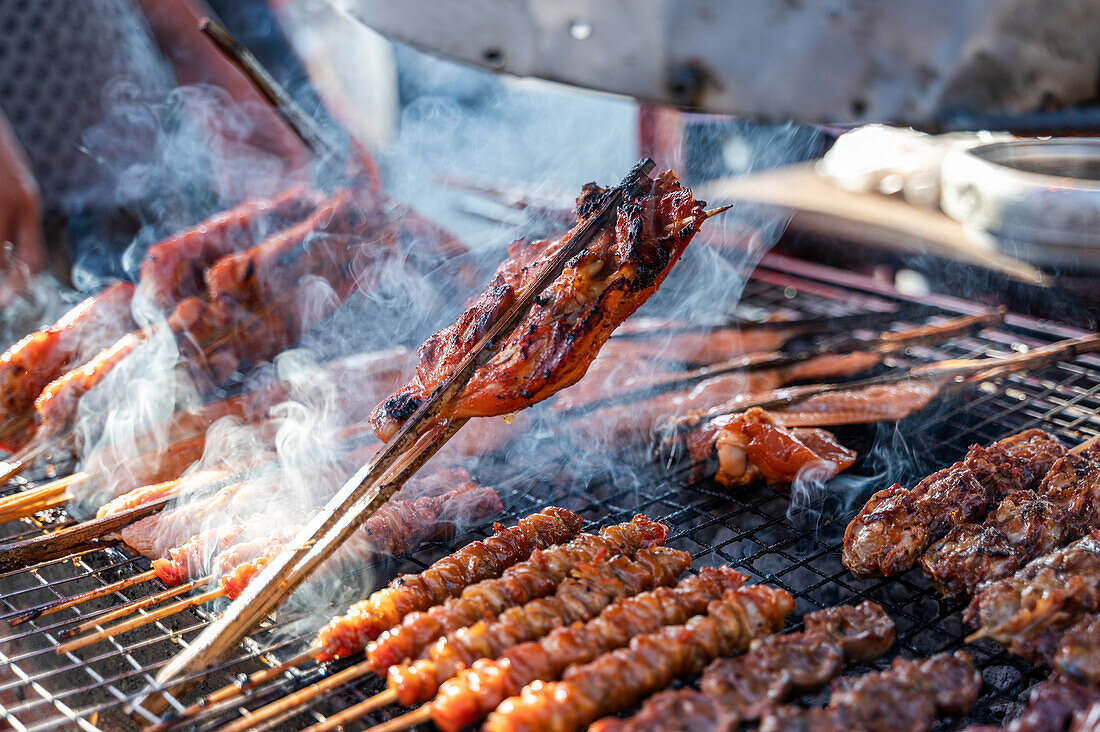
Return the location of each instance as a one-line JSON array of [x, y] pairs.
[[569, 321]]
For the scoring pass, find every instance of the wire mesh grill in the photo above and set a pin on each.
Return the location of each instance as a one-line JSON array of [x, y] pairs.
[[791, 541]]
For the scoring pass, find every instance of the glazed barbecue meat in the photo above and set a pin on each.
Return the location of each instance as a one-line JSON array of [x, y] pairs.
[[753, 446], [618, 680], [475, 692], [1046, 596], [537, 577], [1052, 705], [592, 588], [1025, 525], [569, 321], [39, 358], [742, 688], [1078, 653], [172, 269], [448, 577], [896, 526], [905, 698]]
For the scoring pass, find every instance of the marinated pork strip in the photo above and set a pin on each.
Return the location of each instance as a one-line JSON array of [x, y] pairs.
[[741, 689], [620, 679], [636, 422], [694, 435], [172, 269], [905, 698], [570, 320], [40, 357], [475, 692], [1052, 706], [480, 560], [1025, 525], [1031, 610], [537, 577], [896, 526], [580, 598]]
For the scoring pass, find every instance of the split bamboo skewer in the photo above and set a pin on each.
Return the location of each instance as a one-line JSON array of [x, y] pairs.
[[154, 616], [132, 607], [415, 442], [362, 709]]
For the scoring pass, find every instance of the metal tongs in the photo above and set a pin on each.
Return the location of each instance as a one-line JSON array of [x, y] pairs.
[[422, 435]]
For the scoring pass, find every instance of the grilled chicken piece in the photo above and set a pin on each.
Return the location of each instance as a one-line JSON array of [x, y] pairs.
[[569, 321]]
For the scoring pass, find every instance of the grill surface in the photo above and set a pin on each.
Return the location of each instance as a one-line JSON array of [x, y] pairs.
[[789, 541]]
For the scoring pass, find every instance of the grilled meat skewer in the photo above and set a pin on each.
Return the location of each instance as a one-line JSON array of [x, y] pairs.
[[1052, 706], [570, 320], [447, 577], [896, 526], [905, 698], [580, 598], [740, 689], [36, 360], [172, 269], [1029, 611], [1025, 525], [476, 691], [522, 582], [619, 679]]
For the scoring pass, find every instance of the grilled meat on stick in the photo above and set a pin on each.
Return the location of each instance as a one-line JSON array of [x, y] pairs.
[[1023, 526], [476, 691], [1030, 611], [618, 680], [29, 365], [569, 321], [1055, 704], [896, 526], [741, 689], [905, 698], [529, 580], [448, 577], [592, 587]]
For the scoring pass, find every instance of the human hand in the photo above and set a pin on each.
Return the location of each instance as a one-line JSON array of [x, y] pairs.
[[23, 252]]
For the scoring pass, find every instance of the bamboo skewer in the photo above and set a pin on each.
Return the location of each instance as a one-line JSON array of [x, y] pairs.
[[296, 698], [132, 607], [356, 711], [214, 700], [420, 437], [50, 608], [154, 616], [405, 721]]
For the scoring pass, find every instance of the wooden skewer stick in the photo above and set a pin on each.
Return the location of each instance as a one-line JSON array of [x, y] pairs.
[[132, 607], [1086, 445], [420, 437], [23, 504], [356, 711], [405, 721], [54, 607], [302, 696], [214, 700], [164, 612], [303, 125]]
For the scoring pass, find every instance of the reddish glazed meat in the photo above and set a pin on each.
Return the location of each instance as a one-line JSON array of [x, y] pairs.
[[569, 321]]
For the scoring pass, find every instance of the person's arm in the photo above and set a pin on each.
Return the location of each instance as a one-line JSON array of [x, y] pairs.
[[195, 59], [20, 217]]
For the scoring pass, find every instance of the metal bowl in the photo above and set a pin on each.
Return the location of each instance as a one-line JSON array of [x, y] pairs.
[[1037, 200]]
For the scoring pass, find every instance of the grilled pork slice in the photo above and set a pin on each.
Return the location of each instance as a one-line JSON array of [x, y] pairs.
[[39, 358], [570, 321]]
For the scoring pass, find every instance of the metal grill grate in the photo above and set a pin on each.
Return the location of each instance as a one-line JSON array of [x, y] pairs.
[[793, 544]]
